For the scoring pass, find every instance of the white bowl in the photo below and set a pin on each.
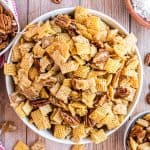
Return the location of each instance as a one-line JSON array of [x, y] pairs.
[[16, 19], [112, 23], [130, 125]]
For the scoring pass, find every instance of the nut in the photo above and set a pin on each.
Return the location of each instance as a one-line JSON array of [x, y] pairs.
[[121, 92], [39, 102], [56, 1], [63, 21], [68, 119], [147, 59], [88, 122], [7, 126], [148, 98]]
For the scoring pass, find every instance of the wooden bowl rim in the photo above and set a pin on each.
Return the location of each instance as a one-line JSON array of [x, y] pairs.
[[137, 17]]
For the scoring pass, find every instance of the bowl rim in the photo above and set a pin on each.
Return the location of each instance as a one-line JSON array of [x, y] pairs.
[[130, 124], [6, 6], [109, 21], [135, 15]]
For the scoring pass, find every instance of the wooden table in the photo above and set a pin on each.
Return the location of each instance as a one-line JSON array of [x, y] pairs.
[[30, 9]]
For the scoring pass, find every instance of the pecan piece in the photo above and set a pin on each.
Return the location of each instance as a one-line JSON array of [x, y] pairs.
[[148, 98], [100, 100], [58, 103], [68, 119], [72, 29], [56, 1], [147, 59], [101, 56], [88, 122], [7, 126], [63, 21], [98, 44], [138, 133], [121, 92], [37, 64], [39, 102]]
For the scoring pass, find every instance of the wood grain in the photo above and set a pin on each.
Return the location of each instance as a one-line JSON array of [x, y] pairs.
[[30, 9]]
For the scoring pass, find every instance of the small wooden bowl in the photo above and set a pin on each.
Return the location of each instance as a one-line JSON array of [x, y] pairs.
[[137, 17]]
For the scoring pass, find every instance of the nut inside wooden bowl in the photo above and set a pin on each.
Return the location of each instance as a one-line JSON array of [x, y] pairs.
[[136, 16]]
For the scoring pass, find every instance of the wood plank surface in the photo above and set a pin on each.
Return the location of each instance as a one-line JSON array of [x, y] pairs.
[[30, 9]]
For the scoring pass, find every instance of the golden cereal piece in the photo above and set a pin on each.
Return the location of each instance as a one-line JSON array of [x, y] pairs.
[[120, 50], [10, 69], [83, 48], [112, 65], [38, 145], [30, 31], [78, 147], [38, 51], [16, 55], [55, 88], [19, 110], [98, 136], [61, 131], [27, 108], [43, 93], [88, 98], [147, 117], [40, 121], [111, 121], [56, 117], [131, 43], [67, 82], [78, 133], [101, 85], [63, 93], [46, 109], [120, 109], [69, 67], [81, 14], [44, 29], [133, 144], [27, 61], [33, 73], [20, 146], [77, 108], [82, 71], [98, 114]]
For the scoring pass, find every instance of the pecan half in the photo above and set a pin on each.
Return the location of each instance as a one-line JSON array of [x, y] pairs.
[[68, 119], [121, 92], [56, 1], [39, 102], [63, 21], [147, 59], [148, 98]]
